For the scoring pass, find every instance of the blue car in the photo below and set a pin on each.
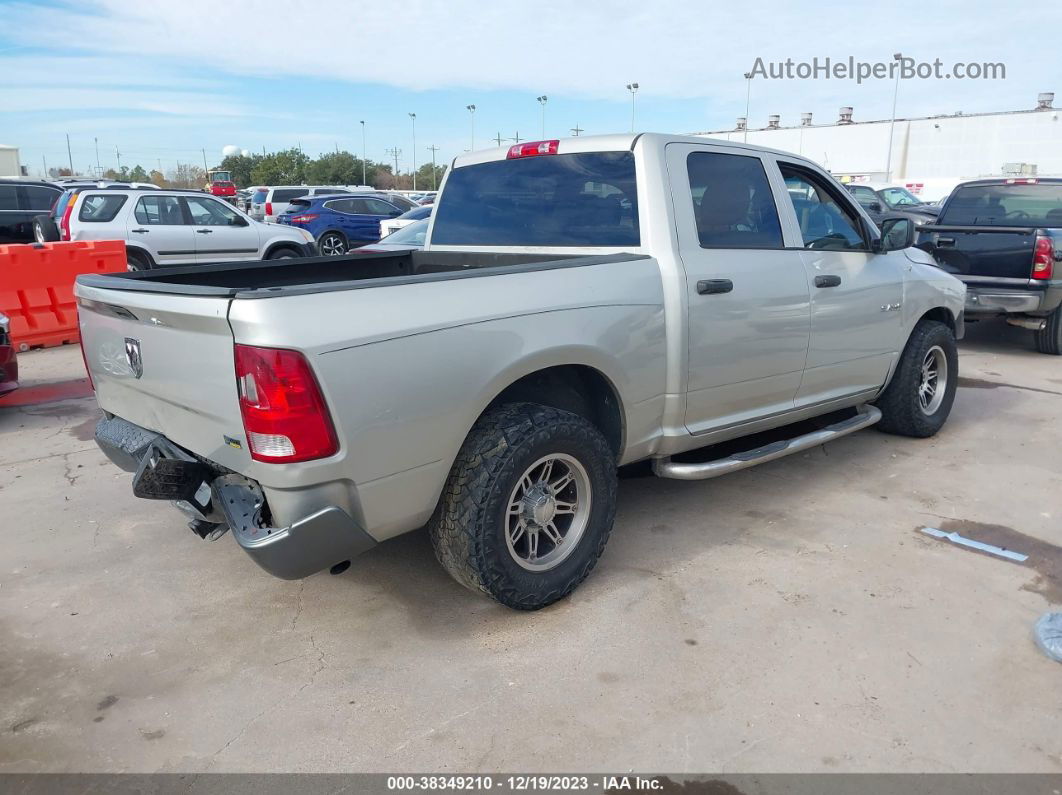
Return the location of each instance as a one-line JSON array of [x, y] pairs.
[[340, 222]]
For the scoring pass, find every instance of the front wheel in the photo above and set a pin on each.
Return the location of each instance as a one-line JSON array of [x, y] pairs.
[[283, 253], [918, 400], [1049, 338], [528, 505]]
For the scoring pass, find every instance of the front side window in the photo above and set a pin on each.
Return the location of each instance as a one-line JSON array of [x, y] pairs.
[[207, 212], [159, 211], [732, 202], [100, 207], [825, 221], [379, 207], [583, 199]]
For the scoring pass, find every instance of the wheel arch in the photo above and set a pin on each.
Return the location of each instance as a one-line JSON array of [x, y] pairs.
[[142, 252], [277, 245]]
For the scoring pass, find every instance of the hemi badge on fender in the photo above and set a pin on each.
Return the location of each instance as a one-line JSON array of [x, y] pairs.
[[233, 442]]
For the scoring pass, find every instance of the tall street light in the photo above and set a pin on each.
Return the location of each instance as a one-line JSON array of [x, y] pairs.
[[413, 119], [472, 116], [898, 57], [748, 95], [633, 88], [364, 154], [433, 149], [542, 101]]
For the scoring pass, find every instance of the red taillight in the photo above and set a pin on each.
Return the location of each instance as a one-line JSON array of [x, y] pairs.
[[64, 222], [302, 219], [1022, 181], [269, 208], [532, 149], [284, 412], [1043, 258]]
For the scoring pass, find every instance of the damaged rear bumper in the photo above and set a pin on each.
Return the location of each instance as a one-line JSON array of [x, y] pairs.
[[207, 493]]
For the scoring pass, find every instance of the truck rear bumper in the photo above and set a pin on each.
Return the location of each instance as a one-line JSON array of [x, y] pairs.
[[994, 301], [315, 542]]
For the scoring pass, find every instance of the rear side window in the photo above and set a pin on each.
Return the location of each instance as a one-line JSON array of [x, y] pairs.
[[40, 198], [1005, 205], [8, 197], [287, 194], [339, 205], [100, 207], [159, 211], [732, 202], [259, 196], [586, 199]]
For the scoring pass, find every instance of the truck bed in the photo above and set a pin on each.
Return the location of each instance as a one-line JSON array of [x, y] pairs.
[[268, 278]]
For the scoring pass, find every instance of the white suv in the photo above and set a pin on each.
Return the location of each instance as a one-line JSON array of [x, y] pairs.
[[164, 227], [269, 203]]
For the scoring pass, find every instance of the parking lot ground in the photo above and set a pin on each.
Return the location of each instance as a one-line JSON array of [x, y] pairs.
[[785, 618]]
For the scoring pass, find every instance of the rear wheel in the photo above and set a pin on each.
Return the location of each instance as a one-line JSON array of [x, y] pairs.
[[1049, 338], [528, 505], [918, 400], [45, 230], [135, 261], [333, 244], [283, 253]]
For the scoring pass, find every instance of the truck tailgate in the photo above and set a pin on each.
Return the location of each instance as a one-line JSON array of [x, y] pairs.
[[165, 362], [985, 252]]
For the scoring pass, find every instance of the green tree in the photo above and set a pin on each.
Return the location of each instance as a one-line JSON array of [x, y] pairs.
[[159, 179], [429, 178], [241, 166], [138, 174], [287, 167]]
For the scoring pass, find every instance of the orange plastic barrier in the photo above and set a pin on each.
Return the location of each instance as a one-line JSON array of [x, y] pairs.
[[37, 287]]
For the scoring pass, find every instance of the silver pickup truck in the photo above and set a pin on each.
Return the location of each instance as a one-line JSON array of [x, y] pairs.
[[581, 304]]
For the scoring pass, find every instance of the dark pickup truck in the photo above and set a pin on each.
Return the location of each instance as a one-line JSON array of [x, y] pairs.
[[1003, 237]]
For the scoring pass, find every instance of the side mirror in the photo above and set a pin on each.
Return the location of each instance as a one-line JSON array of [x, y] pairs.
[[238, 220], [896, 234], [874, 207]]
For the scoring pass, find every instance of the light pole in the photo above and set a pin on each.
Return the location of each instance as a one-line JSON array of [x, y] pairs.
[[395, 152], [363, 153], [413, 118], [472, 117], [433, 149], [542, 101], [748, 95], [898, 57], [633, 88], [576, 130]]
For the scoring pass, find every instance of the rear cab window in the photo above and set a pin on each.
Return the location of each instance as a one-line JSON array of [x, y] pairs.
[[100, 207], [8, 197], [1005, 205], [580, 199]]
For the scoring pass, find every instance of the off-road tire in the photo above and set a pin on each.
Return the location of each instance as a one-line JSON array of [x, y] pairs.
[[468, 527], [1049, 338], [901, 413]]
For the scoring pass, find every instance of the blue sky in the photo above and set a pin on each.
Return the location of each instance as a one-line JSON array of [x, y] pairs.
[[163, 81]]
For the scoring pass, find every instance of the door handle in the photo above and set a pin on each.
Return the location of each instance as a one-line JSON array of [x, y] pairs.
[[141, 231], [714, 286], [204, 231], [945, 241], [828, 281]]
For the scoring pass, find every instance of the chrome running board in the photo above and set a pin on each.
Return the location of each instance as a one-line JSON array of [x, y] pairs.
[[666, 468]]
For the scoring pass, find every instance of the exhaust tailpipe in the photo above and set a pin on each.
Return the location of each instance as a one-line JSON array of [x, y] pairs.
[[1031, 323]]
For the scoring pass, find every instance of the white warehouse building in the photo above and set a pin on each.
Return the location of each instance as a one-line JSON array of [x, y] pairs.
[[929, 154]]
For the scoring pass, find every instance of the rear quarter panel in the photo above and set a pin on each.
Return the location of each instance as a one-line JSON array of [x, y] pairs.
[[407, 369]]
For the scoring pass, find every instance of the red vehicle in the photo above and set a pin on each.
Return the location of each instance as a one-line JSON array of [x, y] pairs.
[[8, 362], [220, 184]]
